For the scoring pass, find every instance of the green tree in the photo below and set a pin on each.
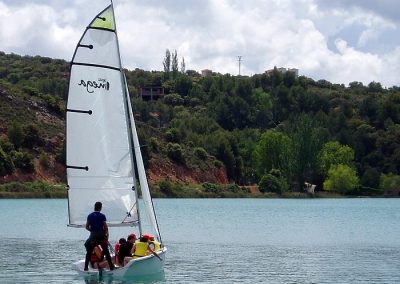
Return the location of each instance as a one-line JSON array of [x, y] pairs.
[[342, 179], [334, 153], [274, 151], [389, 182], [225, 154], [174, 65], [308, 137], [183, 84], [263, 108], [183, 66], [167, 64]]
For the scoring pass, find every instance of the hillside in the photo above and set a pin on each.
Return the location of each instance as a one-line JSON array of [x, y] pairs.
[[276, 130], [32, 101]]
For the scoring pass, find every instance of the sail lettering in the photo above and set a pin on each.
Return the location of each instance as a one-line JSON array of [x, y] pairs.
[[92, 85]]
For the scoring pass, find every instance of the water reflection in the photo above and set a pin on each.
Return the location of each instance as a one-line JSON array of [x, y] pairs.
[[108, 279]]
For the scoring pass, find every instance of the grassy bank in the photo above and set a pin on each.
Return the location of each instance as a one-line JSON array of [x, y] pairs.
[[164, 189], [35, 189]]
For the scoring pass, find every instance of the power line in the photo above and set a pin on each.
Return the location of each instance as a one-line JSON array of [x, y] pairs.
[[240, 60]]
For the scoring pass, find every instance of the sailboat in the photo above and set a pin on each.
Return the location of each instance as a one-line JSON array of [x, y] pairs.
[[102, 145]]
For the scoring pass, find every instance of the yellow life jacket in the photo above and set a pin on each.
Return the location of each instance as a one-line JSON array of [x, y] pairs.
[[155, 245], [141, 248]]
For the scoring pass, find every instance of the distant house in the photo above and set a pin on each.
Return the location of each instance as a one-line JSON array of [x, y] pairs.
[[294, 70], [151, 93], [206, 73], [283, 70]]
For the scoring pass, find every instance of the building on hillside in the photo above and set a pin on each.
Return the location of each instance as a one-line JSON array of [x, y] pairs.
[[283, 70], [151, 93], [206, 73], [294, 70]]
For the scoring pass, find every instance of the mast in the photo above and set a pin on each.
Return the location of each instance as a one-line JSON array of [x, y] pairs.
[[149, 208], [128, 121]]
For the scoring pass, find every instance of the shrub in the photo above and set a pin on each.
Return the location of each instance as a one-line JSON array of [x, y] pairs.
[[270, 183], [7, 146], [274, 181], [211, 187], [32, 136], [44, 189], [6, 164], [23, 161], [389, 182], [174, 152], [171, 189], [200, 153], [233, 188], [31, 91], [172, 135], [14, 77], [218, 164], [15, 134], [371, 178], [173, 100], [166, 187], [155, 145], [53, 103], [44, 160], [341, 178]]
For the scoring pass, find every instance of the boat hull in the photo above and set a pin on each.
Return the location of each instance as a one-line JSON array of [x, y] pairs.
[[139, 267]]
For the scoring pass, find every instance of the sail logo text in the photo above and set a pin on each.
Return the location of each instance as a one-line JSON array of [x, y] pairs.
[[92, 85]]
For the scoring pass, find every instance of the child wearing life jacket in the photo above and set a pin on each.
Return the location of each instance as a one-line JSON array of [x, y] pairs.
[[116, 250], [97, 256], [144, 247], [154, 245], [126, 250]]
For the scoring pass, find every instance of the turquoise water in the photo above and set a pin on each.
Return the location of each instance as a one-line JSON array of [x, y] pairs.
[[221, 241]]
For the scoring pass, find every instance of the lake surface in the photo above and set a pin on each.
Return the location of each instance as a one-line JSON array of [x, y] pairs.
[[220, 241]]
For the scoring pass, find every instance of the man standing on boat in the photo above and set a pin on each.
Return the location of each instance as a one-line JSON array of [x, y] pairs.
[[97, 226]]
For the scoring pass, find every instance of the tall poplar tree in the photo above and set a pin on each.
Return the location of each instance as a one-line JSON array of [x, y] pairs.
[[183, 66], [174, 64], [167, 63]]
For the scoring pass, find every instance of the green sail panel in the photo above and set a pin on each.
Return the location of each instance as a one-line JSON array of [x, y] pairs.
[[104, 20]]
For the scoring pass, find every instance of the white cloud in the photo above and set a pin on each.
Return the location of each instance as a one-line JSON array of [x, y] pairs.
[[33, 29]]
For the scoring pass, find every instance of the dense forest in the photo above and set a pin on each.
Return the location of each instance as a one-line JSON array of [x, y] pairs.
[[275, 129]]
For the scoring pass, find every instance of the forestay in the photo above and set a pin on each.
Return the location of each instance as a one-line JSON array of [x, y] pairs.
[[99, 159]]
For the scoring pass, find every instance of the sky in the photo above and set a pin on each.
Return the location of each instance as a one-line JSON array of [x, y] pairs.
[[341, 41]]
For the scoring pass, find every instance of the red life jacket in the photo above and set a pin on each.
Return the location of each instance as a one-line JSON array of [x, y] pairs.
[[94, 257]]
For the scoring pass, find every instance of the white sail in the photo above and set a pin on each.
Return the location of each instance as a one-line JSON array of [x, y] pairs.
[[99, 156]]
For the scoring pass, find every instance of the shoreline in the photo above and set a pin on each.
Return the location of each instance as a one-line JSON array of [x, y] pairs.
[[292, 195]]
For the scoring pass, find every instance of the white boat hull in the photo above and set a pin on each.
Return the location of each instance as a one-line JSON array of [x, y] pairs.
[[139, 267]]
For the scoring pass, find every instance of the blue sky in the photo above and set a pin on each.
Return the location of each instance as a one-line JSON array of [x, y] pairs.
[[337, 40]]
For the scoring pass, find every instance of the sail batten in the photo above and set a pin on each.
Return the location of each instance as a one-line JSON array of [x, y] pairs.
[[103, 29], [96, 65]]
